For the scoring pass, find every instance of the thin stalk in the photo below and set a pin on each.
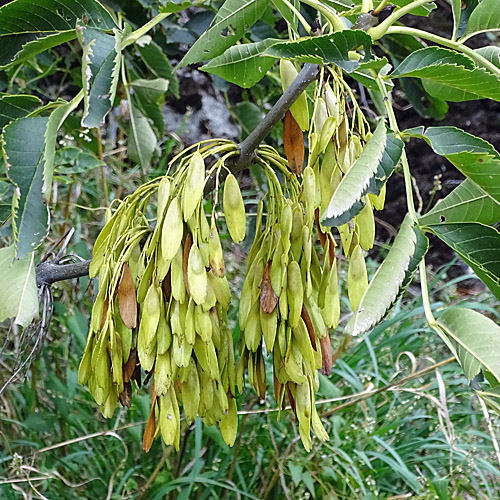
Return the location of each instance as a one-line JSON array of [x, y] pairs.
[[366, 6], [300, 17], [330, 16], [478, 58], [426, 301], [404, 160], [138, 33], [380, 7], [103, 169], [380, 30]]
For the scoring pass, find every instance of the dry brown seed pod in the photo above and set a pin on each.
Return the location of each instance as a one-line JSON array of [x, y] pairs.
[[293, 141], [149, 431], [326, 355], [127, 299], [268, 298]]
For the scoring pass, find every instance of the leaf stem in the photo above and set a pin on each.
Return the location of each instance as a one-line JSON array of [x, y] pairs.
[[426, 301], [138, 33], [330, 16], [404, 160], [478, 58], [380, 30], [411, 206], [300, 17]]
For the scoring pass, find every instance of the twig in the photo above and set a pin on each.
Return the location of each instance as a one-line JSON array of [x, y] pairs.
[[49, 272], [247, 148]]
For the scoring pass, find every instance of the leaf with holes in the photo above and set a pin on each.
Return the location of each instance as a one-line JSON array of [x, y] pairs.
[[474, 157], [384, 287], [473, 339], [334, 48], [227, 28], [449, 75], [18, 294], [244, 64], [478, 245], [100, 69], [466, 203], [28, 27]]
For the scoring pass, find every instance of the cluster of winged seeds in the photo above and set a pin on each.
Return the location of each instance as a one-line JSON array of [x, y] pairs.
[[163, 294], [162, 303]]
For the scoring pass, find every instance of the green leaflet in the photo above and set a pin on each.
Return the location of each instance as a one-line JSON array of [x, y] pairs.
[[471, 337], [332, 48], [227, 28], [157, 62], [24, 147], [28, 27], [30, 149], [172, 7], [384, 287], [449, 75], [16, 106], [466, 203], [451, 140], [474, 157], [368, 175], [18, 294], [461, 15], [485, 17], [478, 245], [141, 138], [244, 64], [491, 53], [100, 70], [149, 97]]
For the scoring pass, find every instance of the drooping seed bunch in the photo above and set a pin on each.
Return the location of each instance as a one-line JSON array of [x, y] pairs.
[[288, 300], [162, 302], [163, 295], [338, 133]]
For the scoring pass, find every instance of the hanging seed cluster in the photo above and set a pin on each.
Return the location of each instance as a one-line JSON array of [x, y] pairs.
[[162, 303], [284, 310], [163, 294]]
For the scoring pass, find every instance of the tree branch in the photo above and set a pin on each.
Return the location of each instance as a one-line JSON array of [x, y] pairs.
[[49, 272], [247, 148]]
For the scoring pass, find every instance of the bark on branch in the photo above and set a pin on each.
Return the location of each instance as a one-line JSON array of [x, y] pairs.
[[50, 272]]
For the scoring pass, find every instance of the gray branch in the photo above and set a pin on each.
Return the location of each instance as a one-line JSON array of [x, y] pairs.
[[247, 148], [49, 272]]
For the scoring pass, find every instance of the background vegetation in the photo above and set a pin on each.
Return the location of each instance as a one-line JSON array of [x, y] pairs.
[[402, 420]]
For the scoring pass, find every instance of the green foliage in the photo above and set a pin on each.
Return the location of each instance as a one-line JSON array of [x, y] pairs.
[[28, 27], [19, 294], [326, 49], [395, 436], [384, 287], [449, 75]]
